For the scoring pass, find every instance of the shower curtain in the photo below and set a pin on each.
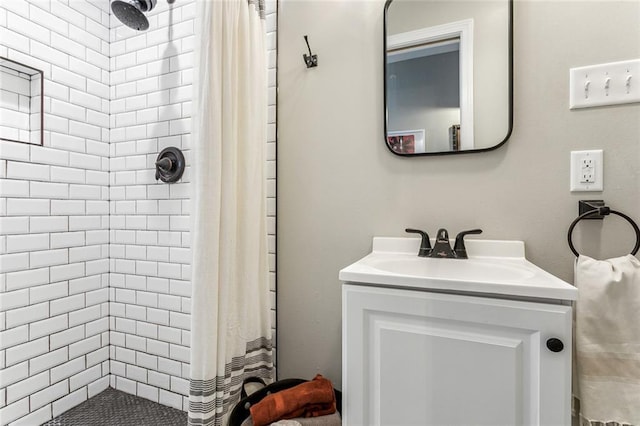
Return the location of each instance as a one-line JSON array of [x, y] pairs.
[[230, 316]]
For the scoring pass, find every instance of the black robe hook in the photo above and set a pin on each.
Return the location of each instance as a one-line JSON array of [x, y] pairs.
[[311, 60]]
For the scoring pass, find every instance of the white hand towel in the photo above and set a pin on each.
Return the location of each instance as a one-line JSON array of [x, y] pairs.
[[607, 339]]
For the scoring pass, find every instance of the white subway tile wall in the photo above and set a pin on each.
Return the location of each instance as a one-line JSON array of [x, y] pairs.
[[94, 253], [54, 336], [140, 65]]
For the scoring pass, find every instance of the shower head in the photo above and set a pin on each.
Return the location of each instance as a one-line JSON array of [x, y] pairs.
[[131, 12]]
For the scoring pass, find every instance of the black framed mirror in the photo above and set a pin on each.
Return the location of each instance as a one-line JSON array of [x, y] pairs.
[[448, 75]]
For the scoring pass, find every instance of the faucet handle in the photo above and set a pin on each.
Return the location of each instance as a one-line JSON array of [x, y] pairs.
[[425, 244], [459, 248]]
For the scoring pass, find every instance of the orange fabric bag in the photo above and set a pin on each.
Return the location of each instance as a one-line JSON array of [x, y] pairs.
[[310, 399]]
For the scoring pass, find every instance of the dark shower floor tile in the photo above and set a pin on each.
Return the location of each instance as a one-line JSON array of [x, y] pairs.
[[115, 408]]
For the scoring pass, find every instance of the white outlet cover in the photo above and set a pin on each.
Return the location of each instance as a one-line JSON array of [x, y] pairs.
[[596, 155]]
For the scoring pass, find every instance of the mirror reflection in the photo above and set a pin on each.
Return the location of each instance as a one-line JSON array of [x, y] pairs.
[[448, 83]]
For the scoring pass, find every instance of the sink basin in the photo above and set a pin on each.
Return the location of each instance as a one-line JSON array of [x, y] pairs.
[[446, 269], [493, 267]]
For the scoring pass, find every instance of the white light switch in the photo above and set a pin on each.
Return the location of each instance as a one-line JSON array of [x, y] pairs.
[[605, 84], [587, 170]]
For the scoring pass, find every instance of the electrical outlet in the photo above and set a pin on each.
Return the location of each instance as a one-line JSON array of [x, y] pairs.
[[587, 174], [587, 170]]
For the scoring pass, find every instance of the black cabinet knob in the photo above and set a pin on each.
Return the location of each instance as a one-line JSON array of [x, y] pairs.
[[555, 345]]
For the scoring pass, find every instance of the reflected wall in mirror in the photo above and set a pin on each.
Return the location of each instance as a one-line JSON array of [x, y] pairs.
[[21, 102], [448, 75]]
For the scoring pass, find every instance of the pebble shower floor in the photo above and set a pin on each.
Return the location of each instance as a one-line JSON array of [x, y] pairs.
[[115, 408]]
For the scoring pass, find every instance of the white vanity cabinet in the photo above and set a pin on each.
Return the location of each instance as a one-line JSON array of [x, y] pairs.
[[423, 355]]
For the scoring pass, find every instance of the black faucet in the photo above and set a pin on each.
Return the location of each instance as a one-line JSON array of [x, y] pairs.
[[425, 244], [442, 248]]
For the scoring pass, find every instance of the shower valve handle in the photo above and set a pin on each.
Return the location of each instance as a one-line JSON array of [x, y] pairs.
[[165, 164], [170, 165]]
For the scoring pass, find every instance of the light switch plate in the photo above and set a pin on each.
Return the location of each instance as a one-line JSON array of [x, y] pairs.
[[587, 170], [604, 84]]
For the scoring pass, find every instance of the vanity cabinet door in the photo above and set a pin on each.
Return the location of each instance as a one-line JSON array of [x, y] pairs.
[[419, 358]]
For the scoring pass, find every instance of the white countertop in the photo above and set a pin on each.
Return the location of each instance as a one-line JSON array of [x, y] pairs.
[[494, 268]]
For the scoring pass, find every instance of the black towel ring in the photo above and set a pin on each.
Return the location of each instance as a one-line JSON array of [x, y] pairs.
[[603, 211]]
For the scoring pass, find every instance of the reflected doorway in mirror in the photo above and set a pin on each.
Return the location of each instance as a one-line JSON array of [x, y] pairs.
[[407, 141], [425, 43]]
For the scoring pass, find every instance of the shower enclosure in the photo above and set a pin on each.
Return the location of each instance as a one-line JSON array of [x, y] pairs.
[[94, 252]]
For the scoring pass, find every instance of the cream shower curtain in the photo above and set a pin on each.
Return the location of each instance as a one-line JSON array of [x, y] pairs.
[[230, 316]]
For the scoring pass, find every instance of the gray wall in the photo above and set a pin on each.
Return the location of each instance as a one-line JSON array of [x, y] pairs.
[[338, 185]]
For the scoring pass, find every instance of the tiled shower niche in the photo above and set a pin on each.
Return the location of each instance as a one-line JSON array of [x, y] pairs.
[[21, 102]]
